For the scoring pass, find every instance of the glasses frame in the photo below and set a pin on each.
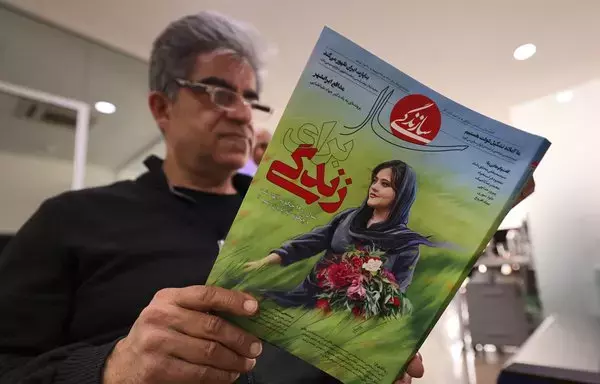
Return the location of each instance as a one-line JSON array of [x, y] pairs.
[[211, 90]]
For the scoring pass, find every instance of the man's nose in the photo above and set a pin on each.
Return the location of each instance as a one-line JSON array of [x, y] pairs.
[[241, 112]]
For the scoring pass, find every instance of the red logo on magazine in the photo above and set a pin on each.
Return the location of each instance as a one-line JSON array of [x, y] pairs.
[[416, 119]]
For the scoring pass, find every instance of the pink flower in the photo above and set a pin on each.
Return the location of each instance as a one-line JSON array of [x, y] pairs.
[[356, 291], [390, 276]]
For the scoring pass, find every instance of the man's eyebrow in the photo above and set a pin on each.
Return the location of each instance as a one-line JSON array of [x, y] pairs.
[[250, 95], [219, 82]]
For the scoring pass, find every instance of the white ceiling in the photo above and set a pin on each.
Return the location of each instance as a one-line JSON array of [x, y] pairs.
[[461, 48]]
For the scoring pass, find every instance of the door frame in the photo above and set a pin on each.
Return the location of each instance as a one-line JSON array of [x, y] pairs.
[[81, 129]]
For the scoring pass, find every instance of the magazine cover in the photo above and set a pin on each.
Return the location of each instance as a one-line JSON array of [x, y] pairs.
[[370, 207]]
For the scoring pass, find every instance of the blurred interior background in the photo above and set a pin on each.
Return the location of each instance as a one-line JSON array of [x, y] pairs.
[[67, 62]]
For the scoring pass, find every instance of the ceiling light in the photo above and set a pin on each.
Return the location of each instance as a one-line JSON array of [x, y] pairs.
[[524, 51], [506, 269], [482, 268], [105, 107], [564, 96]]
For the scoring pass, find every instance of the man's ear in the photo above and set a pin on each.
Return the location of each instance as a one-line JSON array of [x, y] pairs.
[[160, 106]]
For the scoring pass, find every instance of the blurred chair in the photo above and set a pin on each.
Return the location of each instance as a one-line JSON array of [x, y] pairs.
[[497, 314]]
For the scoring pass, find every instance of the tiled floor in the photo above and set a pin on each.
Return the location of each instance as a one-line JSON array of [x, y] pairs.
[[488, 366], [446, 362]]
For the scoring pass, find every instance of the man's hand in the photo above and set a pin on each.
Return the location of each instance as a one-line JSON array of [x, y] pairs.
[[415, 369], [176, 340]]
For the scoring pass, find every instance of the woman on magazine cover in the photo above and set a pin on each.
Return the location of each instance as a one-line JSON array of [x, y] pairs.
[[380, 222]]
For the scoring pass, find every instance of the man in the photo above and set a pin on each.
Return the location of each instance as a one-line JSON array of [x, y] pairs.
[[263, 137], [105, 285]]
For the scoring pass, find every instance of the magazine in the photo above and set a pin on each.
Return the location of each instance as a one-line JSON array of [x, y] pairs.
[[370, 207]]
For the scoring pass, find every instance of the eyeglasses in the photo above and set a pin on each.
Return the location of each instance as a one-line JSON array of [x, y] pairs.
[[227, 99]]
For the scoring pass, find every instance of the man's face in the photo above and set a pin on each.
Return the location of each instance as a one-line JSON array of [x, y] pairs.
[[200, 135]]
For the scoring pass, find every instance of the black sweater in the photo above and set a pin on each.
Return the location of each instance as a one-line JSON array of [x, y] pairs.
[[79, 272]]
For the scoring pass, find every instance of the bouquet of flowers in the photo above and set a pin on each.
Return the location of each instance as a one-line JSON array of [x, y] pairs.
[[357, 282]]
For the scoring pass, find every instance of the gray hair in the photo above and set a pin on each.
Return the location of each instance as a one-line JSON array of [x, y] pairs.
[[175, 50]]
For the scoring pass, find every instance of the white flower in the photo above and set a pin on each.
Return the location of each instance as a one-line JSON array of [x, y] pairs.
[[372, 265]]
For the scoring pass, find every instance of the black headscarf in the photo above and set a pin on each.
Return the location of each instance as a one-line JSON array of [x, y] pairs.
[[393, 232]]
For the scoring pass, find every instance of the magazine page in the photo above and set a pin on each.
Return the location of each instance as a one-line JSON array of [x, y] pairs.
[[370, 207]]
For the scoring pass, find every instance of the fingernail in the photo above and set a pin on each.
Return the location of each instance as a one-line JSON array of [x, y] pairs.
[[250, 306], [255, 349], [234, 376], [250, 363]]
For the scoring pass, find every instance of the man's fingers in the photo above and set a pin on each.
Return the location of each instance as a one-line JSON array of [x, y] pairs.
[[209, 298], [405, 379], [206, 352], [214, 328], [415, 367], [181, 371]]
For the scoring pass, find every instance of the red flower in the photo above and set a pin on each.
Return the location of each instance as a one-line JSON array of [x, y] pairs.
[[394, 301], [358, 311], [356, 263], [321, 277], [324, 305], [340, 275]]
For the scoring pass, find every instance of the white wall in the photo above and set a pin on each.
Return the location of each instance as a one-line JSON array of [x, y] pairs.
[[26, 181], [564, 212], [136, 167]]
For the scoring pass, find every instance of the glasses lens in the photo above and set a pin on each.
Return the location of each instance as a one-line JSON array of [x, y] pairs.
[[224, 98]]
